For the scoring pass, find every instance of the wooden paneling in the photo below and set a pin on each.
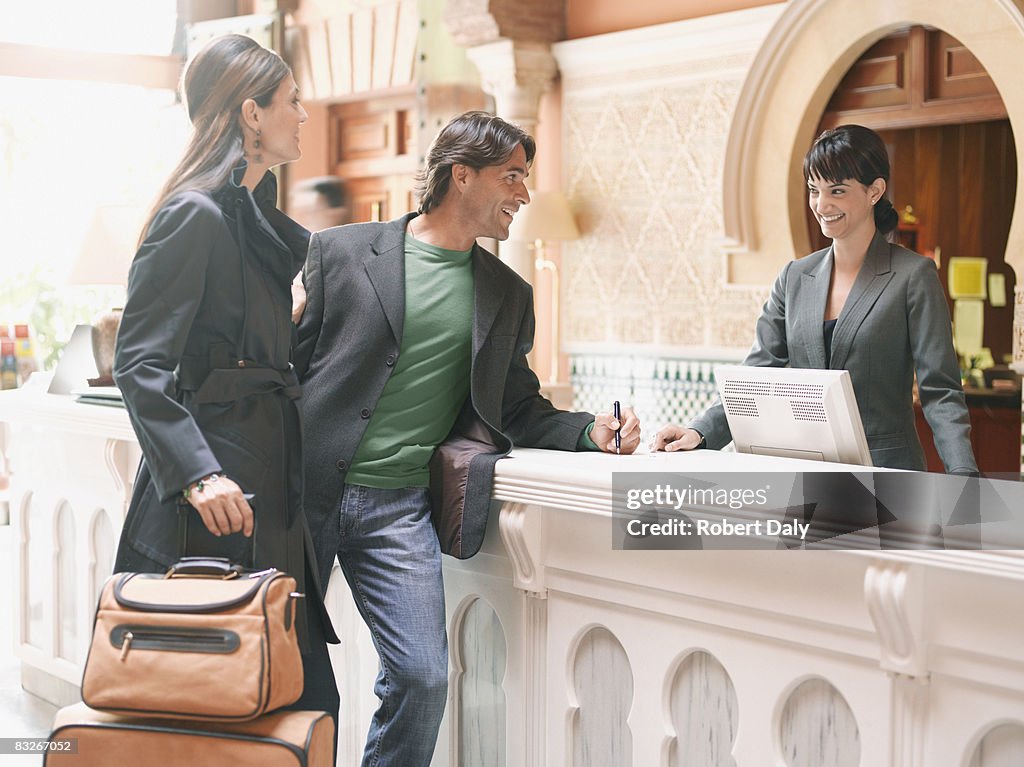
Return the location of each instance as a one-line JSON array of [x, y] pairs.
[[995, 433], [917, 76], [380, 198], [369, 199], [997, 183], [879, 78], [376, 144], [374, 149], [370, 136], [961, 181], [353, 49], [931, 112], [954, 72], [937, 165], [902, 173], [382, 129], [971, 152]]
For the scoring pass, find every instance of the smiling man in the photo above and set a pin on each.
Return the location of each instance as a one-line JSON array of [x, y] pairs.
[[412, 354]]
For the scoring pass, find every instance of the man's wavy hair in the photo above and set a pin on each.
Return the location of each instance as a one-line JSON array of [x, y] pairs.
[[474, 139]]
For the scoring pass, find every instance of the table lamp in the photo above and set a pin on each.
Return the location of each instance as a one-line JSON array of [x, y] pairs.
[[547, 217], [105, 256]]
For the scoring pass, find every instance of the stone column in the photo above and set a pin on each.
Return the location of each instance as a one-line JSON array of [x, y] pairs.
[[510, 43], [516, 74]]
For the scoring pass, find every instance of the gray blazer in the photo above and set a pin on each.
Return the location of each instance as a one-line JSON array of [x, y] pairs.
[[895, 322], [349, 340]]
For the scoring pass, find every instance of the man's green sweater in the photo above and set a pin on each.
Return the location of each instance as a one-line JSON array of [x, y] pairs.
[[430, 382]]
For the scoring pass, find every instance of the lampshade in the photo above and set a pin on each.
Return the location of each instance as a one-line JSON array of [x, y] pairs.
[[109, 245], [104, 258], [547, 217]]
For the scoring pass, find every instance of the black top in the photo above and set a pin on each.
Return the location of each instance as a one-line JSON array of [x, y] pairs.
[[828, 328]]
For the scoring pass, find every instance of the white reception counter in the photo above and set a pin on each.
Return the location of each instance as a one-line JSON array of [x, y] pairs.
[[566, 652]]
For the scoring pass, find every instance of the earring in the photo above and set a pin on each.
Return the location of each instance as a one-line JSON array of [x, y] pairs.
[[258, 157]]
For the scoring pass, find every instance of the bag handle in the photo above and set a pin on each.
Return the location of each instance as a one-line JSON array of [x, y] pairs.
[[221, 566]]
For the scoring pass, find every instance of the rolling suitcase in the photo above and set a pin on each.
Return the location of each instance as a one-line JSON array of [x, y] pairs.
[[280, 739]]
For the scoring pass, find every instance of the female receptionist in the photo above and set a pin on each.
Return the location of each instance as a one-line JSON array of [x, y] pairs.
[[864, 305]]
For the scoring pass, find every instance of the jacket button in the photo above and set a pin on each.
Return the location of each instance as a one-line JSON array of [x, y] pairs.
[[390, 360], [365, 412], [341, 465]]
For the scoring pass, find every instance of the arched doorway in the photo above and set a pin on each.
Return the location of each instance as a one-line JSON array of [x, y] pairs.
[[954, 178]]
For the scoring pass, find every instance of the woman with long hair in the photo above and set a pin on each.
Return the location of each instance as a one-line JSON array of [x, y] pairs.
[[864, 305], [203, 354]]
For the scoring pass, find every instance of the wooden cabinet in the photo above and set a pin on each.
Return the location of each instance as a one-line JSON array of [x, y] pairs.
[[376, 144], [995, 432], [954, 72], [880, 78], [916, 76], [374, 147]]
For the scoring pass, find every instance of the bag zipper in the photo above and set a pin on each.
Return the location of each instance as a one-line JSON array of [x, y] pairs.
[[173, 639]]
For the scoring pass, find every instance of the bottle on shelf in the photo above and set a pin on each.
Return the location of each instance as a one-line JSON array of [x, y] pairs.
[[24, 352], [8, 365]]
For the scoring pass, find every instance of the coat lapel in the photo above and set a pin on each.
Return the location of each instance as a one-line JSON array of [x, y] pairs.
[[811, 309], [875, 273], [385, 267], [488, 293]]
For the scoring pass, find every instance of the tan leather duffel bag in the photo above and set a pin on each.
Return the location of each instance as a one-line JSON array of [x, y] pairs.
[[282, 739], [208, 640]]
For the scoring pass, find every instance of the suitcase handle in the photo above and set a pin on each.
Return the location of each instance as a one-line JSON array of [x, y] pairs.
[[221, 566]]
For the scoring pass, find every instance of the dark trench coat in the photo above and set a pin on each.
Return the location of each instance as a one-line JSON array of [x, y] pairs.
[[203, 361]]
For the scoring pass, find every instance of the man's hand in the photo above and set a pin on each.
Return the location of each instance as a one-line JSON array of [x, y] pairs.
[[603, 433], [222, 507], [671, 438], [298, 298]]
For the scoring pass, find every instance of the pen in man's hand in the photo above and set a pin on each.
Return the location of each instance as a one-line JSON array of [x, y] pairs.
[[617, 412]]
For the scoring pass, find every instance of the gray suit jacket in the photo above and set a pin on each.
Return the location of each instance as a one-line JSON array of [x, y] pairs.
[[895, 321], [349, 341]]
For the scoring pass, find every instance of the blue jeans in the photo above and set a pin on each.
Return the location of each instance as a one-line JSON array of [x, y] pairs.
[[391, 559]]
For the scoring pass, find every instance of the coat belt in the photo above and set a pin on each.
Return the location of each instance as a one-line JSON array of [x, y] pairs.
[[232, 384]]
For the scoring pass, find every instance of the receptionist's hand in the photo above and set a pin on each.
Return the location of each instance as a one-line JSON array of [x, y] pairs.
[[671, 438]]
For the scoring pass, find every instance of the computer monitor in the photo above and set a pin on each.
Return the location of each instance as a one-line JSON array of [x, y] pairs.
[[793, 413]]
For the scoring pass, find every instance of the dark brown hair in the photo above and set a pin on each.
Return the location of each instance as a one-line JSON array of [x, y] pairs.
[[226, 72], [853, 151], [474, 139]]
